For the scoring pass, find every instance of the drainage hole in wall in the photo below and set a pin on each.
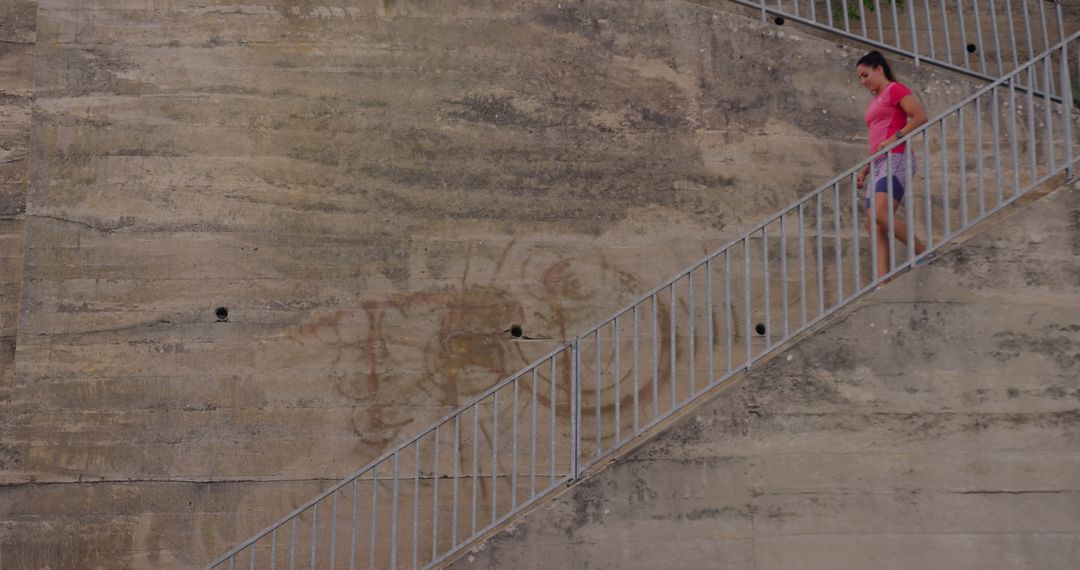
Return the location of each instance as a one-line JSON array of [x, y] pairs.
[[760, 328], [779, 21], [971, 48], [515, 331], [222, 314]]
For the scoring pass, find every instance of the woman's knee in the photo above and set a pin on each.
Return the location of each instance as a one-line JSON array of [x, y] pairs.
[[881, 215]]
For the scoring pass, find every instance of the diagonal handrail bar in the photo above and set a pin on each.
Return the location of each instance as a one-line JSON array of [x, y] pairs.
[[566, 457], [1017, 21]]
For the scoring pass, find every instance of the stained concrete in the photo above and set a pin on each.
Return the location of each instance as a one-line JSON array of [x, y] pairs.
[[936, 425], [376, 191], [17, 48]]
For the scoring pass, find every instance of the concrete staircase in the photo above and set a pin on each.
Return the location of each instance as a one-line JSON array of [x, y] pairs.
[[934, 424], [698, 491]]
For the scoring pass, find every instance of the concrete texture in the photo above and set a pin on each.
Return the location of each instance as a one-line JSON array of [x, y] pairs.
[[17, 41], [376, 192], [936, 425]]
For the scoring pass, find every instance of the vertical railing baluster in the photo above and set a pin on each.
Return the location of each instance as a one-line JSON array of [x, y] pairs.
[[945, 195], [674, 396], [1066, 107], [877, 13], [947, 31], [709, 311], [914, 31], [352, 533], [1048, 102], [784, 274], [1012, 34], [963, 34], [514, 445], [855, 229], [435, 491], [1060, 23], [575, 411], [746, 301], [996, 36], [554, 410], [394, 510], [909, 201], [532, 430], [1027, 29], [1045, 30], [457, 475], [1032, 143], [690, 326], [862, 17], [820, 258], [596, 389], [728, 317], [314, 533], [494, 456], [634, 318], [475, 466], [273, 549], [1012, 137], [929, 27], [979, 156], [333, 531], [838, 245], [765, 280], [896, 25], [655, 358], [979, 36], [374, 515], [996, 124], [962, 143], [802, 265], [617, 378], [928, 186], [890, 201]]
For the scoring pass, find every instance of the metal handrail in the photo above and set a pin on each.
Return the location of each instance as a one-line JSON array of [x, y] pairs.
[[580, 389], [1016, 30]]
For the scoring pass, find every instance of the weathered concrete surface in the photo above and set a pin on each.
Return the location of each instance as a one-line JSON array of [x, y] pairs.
[[376, 191], [937, 425], [17, 37]]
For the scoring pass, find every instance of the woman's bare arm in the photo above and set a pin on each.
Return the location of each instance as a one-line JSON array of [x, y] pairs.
[[916, 118]]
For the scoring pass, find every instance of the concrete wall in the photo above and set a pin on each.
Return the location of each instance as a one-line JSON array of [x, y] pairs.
[[376, 191], [17, 36], [937, 425]]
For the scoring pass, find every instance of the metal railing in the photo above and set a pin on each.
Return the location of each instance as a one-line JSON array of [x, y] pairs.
[[981, 38], [543, 427]]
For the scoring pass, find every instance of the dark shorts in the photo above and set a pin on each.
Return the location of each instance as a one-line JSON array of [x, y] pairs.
[[880, 177]]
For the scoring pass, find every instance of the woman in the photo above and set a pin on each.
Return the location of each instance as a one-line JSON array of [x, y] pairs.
[[893, 113]]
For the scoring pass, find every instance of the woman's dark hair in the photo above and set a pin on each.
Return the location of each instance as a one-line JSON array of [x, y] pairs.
[[875, 60]]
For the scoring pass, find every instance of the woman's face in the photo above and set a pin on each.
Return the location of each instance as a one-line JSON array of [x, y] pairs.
[[873, 78]]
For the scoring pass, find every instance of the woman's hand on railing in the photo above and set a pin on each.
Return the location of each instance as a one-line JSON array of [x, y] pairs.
[[860, 178]]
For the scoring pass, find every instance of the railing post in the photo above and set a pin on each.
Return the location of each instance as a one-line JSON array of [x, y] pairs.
[[575, 407], [1067, 107]]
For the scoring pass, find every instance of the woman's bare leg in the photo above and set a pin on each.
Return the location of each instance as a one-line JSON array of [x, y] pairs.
[[881, 210]]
